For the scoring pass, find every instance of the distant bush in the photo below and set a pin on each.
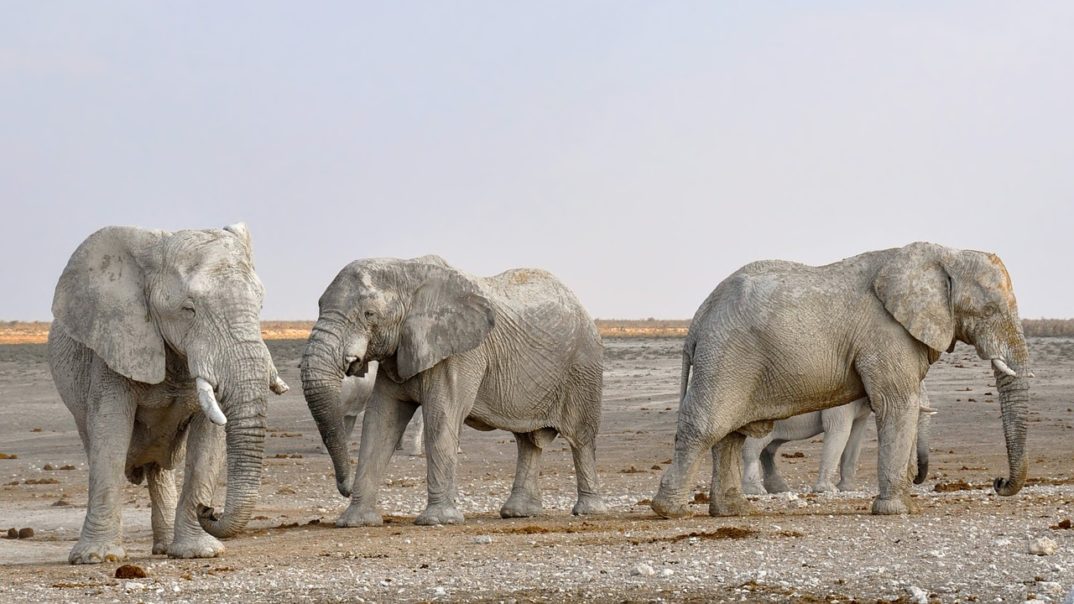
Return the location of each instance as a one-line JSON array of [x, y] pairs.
[[1048, 328]]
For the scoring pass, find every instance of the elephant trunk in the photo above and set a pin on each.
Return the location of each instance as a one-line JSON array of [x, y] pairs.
[[1014, 405], [322, 381], [244, 406]]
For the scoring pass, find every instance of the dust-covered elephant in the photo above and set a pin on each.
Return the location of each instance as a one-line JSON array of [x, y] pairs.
[[514, 352], [843, 428], [777, 339], [156, 348]]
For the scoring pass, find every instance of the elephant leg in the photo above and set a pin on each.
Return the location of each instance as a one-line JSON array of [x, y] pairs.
[[896, 422], [411, 444], [205, 453], [752, 477], [525, 499], [385, 421], [109, 425], [585, 468], [773, 481], [848, 464], [162, 498], [725, 493], [443, 419], [837, 428]]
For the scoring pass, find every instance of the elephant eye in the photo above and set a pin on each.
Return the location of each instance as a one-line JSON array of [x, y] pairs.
[[188, 307], [370, 315]]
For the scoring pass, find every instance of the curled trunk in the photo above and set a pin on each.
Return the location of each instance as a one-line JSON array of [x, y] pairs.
[[322, 380], [245, 450]]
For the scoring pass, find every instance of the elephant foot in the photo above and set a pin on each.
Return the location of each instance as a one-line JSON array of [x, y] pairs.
[[96, 552], [589, 505], [440, 513], [665, 508], [160, 548], [823, 486], [730, 505], [775, 484], [359, 516], [753, 488], [847, 485], [521, 505], [201, 546], [891, 506]]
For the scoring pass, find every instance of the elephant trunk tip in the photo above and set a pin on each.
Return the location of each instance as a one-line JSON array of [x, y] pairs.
[[217, 526]]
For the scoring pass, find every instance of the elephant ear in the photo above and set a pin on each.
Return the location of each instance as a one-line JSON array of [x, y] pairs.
[[447, 315], [915, 288], [102, 300], [240, 230]]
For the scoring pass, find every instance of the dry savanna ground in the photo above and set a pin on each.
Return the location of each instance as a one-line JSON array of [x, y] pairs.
[[963, 544]]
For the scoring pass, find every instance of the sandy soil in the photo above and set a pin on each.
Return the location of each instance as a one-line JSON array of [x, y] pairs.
[[962, 545]]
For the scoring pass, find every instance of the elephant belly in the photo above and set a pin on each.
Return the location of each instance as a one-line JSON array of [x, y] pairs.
[[159, 432]]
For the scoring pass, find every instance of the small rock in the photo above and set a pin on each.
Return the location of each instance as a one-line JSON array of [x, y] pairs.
[[439, 591], [643, 570], [483, 539], [28, 533], [1042, 546], [130, 571], [918, 595], [667, 572], [1050, 587], [134, 586]]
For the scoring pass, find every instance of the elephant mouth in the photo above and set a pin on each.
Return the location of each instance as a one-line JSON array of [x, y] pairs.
[[356, 367]]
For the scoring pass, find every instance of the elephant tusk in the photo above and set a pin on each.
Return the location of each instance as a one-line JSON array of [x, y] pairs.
[[208, 402], [1002, 367], [927, 409], [278, 386]]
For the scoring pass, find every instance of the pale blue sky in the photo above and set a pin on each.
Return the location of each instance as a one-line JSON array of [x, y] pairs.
[[639, 150]]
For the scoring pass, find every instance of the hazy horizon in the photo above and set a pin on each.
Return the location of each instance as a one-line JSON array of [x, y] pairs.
[[641, 152]]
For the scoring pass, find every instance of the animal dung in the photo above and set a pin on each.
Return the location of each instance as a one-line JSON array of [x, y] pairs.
[[130, 571], [25, 533], [12, 533], [8, 456]]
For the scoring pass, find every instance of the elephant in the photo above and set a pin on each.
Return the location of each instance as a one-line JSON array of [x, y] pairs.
[[777, 339], [843, 428], [156, 350], [354, 396], [516, 351]]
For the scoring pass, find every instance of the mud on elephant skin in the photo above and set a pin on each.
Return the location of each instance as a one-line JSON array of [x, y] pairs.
[[514, 352], [156, 350], [843, 428], [777, 339]]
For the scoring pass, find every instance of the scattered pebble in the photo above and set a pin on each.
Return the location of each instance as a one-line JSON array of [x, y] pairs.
[[1042, 546], [643, 570], [918, 595], [483, 539], [667, 572]]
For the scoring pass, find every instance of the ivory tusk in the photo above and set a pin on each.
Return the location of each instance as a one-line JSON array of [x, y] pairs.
[[1002, 367], [208, 402], [929, 410], [278, 386]]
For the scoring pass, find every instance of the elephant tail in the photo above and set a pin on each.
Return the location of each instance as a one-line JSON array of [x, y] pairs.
[[687, 362]]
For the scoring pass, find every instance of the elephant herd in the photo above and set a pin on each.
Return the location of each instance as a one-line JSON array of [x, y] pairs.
[[156, 349]]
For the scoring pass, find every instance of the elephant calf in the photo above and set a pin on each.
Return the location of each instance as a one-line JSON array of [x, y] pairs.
[[514, 352], [843, 428], [150, 329]]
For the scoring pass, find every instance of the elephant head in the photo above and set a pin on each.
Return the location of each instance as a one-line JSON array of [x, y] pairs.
[[941, 295], [406, 314], [181, 306]]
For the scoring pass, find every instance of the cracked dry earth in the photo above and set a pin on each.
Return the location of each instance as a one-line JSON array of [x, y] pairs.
[[963, 544]]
